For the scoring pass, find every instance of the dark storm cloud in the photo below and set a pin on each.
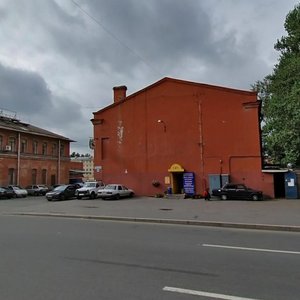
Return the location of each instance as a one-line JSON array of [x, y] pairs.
[[23, 90], [162, 35], [160, 32], [79, 52], [27, 94]]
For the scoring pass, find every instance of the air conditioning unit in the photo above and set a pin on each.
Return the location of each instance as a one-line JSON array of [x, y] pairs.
[[7, 148]]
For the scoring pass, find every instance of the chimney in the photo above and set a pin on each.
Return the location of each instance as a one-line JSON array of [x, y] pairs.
[[119, 93]]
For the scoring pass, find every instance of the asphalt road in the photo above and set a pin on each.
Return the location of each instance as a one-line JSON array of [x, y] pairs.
[[58, 258]]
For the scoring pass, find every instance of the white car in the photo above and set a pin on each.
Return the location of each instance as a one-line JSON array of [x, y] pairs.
[[90, 190], [19, 192], [115, 191]]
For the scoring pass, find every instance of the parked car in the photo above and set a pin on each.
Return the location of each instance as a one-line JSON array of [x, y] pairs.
[[37, 190], [10, 193], [115, 191], [237, 191], [78, 185], [6, 193], [61, 192], [90, 189], [19, 192]]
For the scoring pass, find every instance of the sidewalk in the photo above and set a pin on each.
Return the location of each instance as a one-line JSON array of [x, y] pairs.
[[280, 214]]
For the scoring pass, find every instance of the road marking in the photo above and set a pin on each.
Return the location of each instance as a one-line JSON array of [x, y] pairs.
[[204, 294], [251, 249]]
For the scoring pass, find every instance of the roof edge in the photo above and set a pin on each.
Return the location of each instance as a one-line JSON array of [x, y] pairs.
[[181, 81]]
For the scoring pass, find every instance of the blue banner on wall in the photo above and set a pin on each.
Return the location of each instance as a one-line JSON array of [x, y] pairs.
[[189, 183]]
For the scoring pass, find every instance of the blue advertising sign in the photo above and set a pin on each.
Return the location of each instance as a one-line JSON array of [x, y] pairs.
[[189, 183]]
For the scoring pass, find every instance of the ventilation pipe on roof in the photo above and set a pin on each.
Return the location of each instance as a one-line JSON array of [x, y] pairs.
[[119, 93]]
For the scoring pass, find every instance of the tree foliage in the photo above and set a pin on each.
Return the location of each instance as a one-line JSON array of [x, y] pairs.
[[280, 96]]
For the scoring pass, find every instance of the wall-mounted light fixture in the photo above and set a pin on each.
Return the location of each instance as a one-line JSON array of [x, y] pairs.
[[164, 124]]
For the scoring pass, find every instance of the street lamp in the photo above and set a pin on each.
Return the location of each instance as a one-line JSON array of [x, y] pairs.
[[164, 124]]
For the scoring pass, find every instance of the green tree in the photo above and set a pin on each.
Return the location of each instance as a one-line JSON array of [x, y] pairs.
[[280, 96]]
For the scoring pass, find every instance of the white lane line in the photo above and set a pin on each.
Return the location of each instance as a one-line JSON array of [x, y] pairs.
[[204, 294], [251, 249]]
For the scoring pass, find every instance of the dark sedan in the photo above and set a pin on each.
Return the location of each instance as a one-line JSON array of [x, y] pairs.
[[62, 192], [6, 193], [237, 191]]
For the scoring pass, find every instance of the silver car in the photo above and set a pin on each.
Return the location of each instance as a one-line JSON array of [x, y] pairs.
[[19, 192], [115, 191]]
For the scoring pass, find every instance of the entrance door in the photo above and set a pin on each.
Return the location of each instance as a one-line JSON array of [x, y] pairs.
[[177, 183], [176, 171], [291, 190]]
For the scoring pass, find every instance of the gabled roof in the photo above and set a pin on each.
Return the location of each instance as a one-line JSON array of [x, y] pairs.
[[179, 81], [18, 126]]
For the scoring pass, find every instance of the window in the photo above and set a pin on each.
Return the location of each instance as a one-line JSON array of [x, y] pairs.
[[54, 150], [35, 147], [33, 176], [44, 149], [23, 146], [104, 148], [53, 179], [44, 176], [11, 176], [62, 150], [12, 143]]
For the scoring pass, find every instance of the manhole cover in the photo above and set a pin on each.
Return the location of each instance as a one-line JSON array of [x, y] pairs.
[[90, 206]]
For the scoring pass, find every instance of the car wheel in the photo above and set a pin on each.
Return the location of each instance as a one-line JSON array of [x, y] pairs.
[[62, 197], [131, 195], [117, 196], [78, 197], [255, 197], [93, 195], [224, 197]]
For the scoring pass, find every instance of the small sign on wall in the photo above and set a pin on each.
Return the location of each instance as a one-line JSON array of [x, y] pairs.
[[98, 168], [167, 180], [189, 183]]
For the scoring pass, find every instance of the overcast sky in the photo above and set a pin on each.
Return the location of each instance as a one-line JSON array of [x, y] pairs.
[[60, 59]]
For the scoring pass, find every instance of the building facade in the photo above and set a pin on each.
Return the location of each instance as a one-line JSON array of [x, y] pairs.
[[31, 155], [180, 136], [87, 167]]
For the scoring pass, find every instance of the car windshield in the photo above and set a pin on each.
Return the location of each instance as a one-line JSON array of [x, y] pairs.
[[60, 188], [90, 184], [111, 187]]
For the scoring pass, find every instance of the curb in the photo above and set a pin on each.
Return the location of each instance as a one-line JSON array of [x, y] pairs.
[[169, 221]]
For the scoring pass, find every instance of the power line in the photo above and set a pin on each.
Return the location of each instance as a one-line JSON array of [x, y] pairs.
[[116, 38]]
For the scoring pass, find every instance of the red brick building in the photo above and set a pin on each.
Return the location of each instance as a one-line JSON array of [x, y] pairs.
[[31, 155], [180, 135]]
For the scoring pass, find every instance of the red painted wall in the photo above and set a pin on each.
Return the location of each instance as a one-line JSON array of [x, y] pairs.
[[205, 129]]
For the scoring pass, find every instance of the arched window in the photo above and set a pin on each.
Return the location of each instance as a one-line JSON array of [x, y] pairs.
[[35, 147], [11, 176], [33, 176], [44, 176], [44, 148], [23, 146]]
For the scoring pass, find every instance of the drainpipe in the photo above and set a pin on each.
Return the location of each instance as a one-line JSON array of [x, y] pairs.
[[200, 126], [58, 161], [19, 159]]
